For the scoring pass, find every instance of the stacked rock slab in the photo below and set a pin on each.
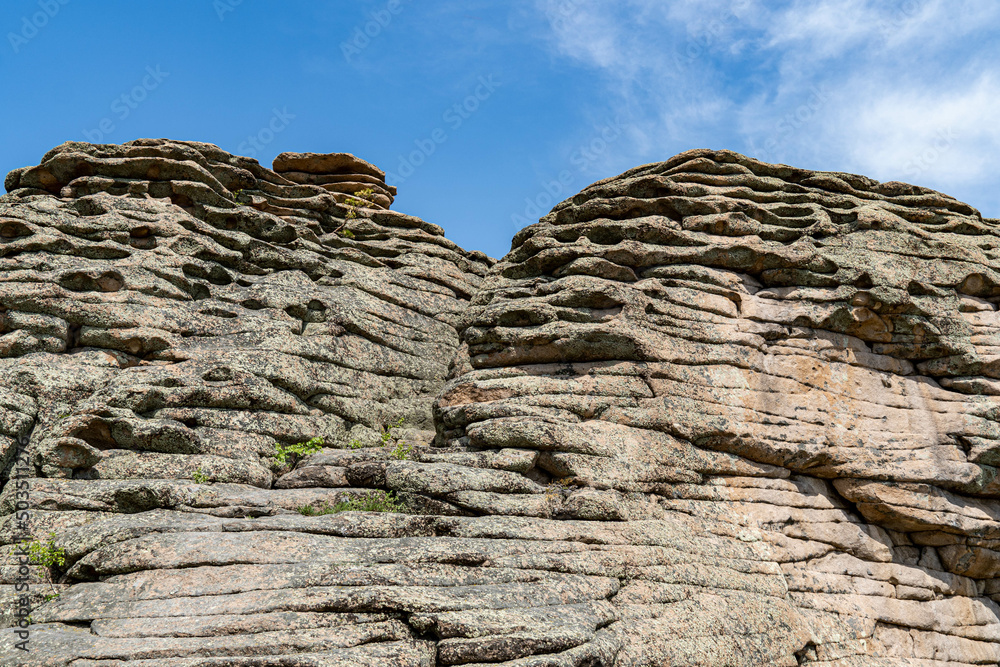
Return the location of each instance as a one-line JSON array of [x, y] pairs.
[[342, 174], [709, 412]]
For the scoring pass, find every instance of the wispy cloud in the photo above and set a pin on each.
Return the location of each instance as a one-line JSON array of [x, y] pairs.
[[949, 133], [904, 90]]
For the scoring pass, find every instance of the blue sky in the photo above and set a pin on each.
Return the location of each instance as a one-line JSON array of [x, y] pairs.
[[487, 113]]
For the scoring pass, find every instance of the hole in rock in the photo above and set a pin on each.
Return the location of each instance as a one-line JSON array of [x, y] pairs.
[[13, 229], [521, 317], [536, 474], [219, 276], [916, 288], [96, 433], [80, 281], [217, 312], [143, 244], [581, 299], [110, 282], [605, 235], [133, 500], [199, 292], [73, 336], [218, 374], [976, 284]]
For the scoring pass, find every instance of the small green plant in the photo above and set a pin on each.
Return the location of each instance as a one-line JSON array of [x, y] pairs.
[[325, 508], [346, 233], [298, 450], [49, 597], [48, 555], [241, 197], [199, 476], [361, 198], [401, 450], [387, 431], [376, 501]]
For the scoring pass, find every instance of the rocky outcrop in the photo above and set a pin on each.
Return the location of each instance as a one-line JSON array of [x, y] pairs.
[[708, 412], [804, 359], [170, 312]]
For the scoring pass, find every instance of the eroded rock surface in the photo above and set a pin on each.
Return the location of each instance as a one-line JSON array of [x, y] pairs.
[[708, 412], [806, 357]]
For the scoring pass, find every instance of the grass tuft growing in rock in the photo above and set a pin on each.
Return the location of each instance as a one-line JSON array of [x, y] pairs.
[[401, 451], [376, 501], [242, 198]]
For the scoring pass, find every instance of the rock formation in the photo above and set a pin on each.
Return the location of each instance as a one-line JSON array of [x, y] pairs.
[[710, 412]]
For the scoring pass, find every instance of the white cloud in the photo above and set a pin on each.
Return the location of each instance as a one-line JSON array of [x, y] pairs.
[[652, 65], [586, 34], [948, 134], [903, 90]]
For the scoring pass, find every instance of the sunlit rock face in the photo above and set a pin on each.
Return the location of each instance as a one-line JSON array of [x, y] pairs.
[[710, 412], [804, 361]]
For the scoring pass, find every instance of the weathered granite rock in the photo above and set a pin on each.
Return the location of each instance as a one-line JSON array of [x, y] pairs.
[[709, 412], [170, 312], [807, 355]]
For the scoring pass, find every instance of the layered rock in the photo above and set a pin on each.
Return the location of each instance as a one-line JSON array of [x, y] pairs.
[[171, 312], [342, 174], [806, 357], [709, 412]]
